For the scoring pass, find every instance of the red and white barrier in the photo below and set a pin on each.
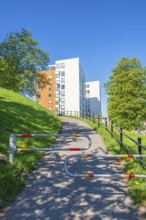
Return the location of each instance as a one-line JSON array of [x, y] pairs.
[[84, 155], [14, 148]]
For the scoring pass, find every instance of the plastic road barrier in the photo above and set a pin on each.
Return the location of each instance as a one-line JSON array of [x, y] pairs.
[[131, 175], [14, 148]]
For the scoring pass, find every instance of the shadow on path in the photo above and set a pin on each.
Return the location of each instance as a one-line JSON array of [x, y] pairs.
[[51, 194]]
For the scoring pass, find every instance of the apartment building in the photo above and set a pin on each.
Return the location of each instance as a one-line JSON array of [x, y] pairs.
[[47, 98], [93, 100], [66, 92]]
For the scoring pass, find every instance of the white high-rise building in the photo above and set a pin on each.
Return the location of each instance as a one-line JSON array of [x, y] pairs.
[[70, 86], [67, 91], [93, 100]]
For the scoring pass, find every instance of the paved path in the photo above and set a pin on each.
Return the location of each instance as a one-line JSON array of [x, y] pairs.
[[52, 195]]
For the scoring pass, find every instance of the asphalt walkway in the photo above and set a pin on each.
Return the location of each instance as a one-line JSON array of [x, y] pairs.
[[51, 194]]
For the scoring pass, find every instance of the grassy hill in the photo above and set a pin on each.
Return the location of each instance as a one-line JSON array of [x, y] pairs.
[[18, 114]]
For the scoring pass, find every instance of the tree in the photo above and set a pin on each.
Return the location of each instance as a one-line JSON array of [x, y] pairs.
[[21, 60], [8, 78], [127, 93]]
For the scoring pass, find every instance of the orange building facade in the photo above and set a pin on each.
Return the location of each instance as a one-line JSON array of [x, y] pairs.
[[47, 94]]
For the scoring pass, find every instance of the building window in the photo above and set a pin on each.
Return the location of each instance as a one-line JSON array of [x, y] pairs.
[[87, 86], [62, 80], [49, 89], [62, 86], [58, 80], [62, 93], [63, 100], [49, 95], [50, 77], [50, 108], [62, 73], [57, 72], [50, 102], [58, 86], [62, 65], [57, 65]]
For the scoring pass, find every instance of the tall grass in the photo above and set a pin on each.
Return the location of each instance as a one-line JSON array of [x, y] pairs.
[[19, 114]]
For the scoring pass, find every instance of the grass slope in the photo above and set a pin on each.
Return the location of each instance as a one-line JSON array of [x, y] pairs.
[[19, 114]]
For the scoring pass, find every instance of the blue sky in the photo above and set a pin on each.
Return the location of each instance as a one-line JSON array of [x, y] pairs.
[[100, 32]]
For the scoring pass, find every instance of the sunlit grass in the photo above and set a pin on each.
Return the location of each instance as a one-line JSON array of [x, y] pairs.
[[19, 114]]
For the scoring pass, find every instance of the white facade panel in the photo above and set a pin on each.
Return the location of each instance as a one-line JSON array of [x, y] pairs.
[[72, 85], [93, 100]]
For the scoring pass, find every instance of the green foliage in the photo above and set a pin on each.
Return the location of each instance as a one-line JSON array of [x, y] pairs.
[[20, 61], [127, 93], [18, 114], [11, 183], [8, 77]]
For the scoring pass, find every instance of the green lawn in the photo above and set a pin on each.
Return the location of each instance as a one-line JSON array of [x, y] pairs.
[[19, 114]]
